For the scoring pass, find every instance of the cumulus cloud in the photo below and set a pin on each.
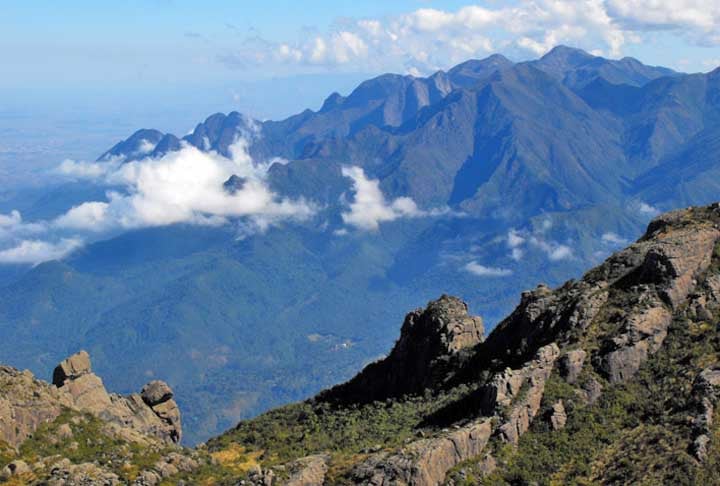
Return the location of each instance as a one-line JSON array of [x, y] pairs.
[[482, 271], [519, 242], [185, 186], [428, 39], [369, 207], [37, 251]]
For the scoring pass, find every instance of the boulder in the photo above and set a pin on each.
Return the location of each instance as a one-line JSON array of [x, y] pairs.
[[156, 392], [308, 471], [15, 468], [72, 368]]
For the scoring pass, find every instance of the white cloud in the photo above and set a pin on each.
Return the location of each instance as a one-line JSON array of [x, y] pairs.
[[613, 239], [370, 208], [10, 220], [12, 226], [483, 271], [648, 210], [560, 252], [87, 170], [37, 251], [700, 15], [554, 251], [428, 39], [514, 238], [185, 186], [517, 254]]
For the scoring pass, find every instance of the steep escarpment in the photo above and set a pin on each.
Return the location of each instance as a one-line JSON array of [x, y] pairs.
[[620, 364]]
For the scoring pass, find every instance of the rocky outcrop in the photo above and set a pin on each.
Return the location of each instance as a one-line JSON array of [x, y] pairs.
[[644, 332], [431, 341], [308, 471], [706, 392], [516, 395], [27, 402], [426, 461], [571, 363], [557, 416]]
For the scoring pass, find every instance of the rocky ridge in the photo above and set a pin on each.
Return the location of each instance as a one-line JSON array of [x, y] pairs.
[[611, 378], [589, 339]]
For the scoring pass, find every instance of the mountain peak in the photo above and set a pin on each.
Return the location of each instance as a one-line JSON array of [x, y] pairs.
[[566, 56]]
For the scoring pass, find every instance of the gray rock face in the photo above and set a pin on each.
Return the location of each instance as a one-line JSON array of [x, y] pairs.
[[518, 408], [27, 403], [430, 340], [308, 471], [426, 461], [706, 392], [558, 417], [645, 331], [571, 363]]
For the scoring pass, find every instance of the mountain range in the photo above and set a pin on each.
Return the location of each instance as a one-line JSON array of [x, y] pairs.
[[612, 378], [518, 173]]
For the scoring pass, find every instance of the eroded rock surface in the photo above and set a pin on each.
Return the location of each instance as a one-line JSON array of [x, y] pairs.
[[426, 461], [27, 402], [431, 340]]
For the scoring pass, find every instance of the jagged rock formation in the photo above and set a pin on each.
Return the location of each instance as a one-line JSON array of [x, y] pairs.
[[153, 412], [431, 342], [560, 353], [77, 409]]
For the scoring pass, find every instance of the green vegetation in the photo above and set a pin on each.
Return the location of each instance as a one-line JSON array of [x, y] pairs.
[[85, 438], [637, 432], [306, 428]]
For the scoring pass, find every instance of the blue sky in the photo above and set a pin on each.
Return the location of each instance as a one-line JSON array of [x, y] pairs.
[[138, 44], [169, 63]]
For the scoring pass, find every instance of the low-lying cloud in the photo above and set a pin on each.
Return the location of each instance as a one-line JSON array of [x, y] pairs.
[[36, 251], [185, 186], [369, 206], [519, 241]]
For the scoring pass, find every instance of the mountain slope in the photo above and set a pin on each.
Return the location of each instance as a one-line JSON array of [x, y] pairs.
[[612, 378], [519, 171]]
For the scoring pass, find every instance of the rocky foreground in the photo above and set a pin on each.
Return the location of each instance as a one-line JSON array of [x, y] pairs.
[[72, 431], [614, 378]]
